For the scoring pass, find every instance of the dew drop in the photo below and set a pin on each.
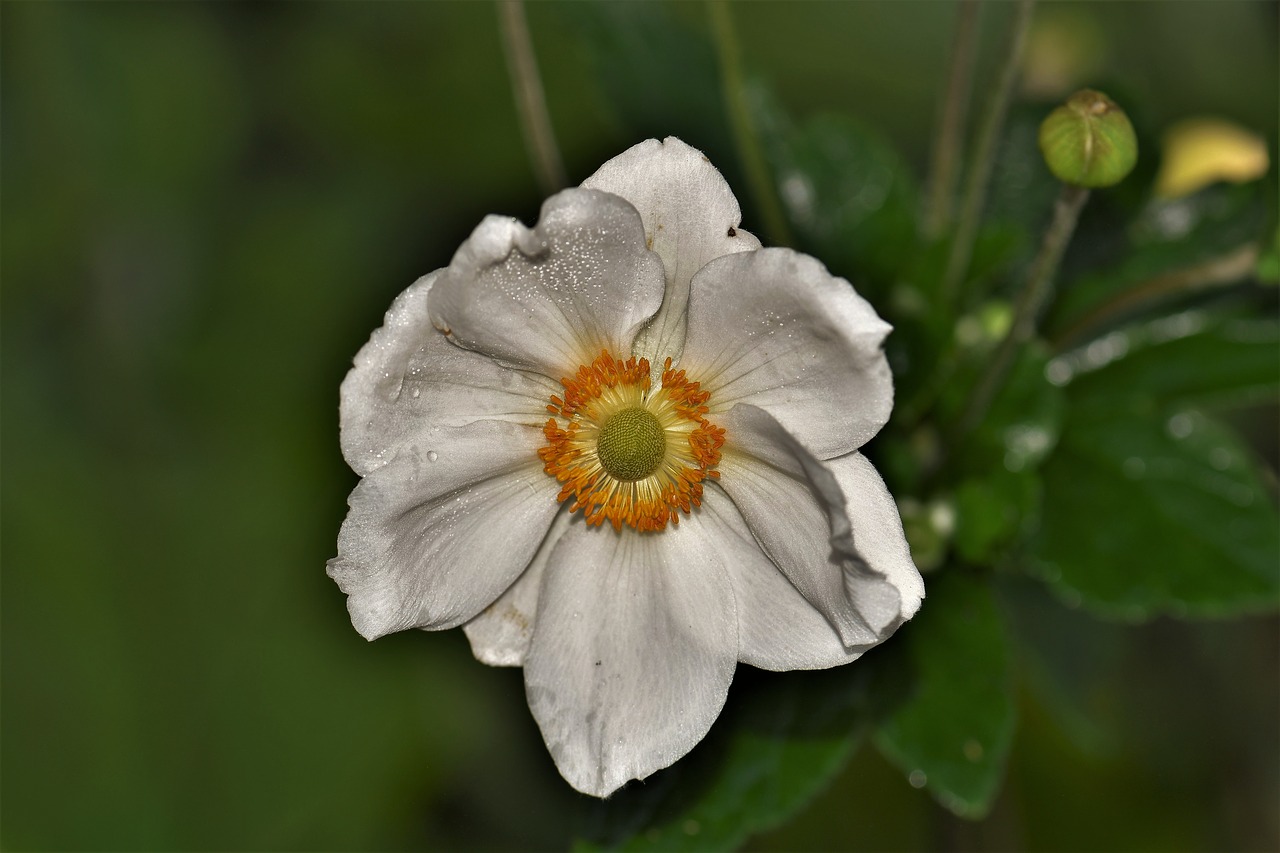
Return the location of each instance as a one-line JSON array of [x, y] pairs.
[[1134, 468], [1180, 425], [1059, 372], [416, 393], [432, 456], [917, 779], [1220, 458]]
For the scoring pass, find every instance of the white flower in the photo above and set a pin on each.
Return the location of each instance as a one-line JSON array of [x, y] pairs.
[[620, 449]]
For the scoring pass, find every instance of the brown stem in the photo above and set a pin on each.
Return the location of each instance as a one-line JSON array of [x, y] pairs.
[[1224, 269], [984, 155], [531, 102], [949, 143]]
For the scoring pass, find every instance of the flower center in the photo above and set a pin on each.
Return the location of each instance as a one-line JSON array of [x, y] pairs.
[[631, 444], [625, 452]]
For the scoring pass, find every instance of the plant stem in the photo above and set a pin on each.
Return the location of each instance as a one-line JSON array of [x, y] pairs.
[[1224, 269], [531, 102], [746, 140], [1031, 301], [949, 143], [984, 154]]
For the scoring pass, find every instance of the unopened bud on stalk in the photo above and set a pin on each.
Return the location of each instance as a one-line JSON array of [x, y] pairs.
[[1089, 142]]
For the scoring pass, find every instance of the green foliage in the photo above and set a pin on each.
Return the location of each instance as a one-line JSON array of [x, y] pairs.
[[779, 743], [952, 734], [1151, 505], [1148, 268], [850, 197], [206, 208]]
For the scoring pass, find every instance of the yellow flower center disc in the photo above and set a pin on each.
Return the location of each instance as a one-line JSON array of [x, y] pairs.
[[631, 444]]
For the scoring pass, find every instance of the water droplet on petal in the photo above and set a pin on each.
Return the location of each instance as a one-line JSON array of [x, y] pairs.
[[432, 456]]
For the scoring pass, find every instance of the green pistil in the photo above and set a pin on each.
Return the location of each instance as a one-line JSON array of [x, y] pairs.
[[631, 444]]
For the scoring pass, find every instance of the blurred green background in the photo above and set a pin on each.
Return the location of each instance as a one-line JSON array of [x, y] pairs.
[[206, 209]]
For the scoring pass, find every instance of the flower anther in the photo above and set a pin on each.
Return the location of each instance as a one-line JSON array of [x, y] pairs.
[[625, 452]]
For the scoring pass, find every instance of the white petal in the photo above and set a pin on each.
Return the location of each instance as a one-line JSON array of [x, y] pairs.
[[633, 650], [778, 629], [796, 510], [500, 635], [438, 533], [773, 328], [877, 528], [409, 376], [550, 298], [690, 217]]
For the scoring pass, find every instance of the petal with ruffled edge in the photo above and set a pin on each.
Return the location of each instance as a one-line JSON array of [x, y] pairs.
[[409, 376], [877, 528], [552, 297], [438, 533], [500, 635], [778, 629], [633, 651], [690, 217], [774, 329], [796, 510]]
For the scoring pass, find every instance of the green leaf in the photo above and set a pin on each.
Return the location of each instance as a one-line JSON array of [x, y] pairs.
[[780, 742], [998, 496], [1151, 506], [992, 513], [953, 734], [848, 194], [660, 75], [1142, 517], [1187, 358]]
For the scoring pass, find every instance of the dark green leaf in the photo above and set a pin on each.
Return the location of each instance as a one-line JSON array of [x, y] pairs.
[[992, 512], [847, 192], [781, 740], [1186, 358], [1142, 517], [660, 75], [1151, 505], [998, 497], [953, 734]]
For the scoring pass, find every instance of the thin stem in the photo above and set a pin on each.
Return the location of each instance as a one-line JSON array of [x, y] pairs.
[[1224, 269], [1031, 302], [949, 143], [531, 103], [984, 155], [745, 137]]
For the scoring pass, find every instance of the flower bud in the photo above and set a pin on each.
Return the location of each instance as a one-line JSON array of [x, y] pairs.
[[1089, 141]]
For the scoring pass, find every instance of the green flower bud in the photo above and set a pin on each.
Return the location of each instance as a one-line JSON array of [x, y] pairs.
[[1089, 141]]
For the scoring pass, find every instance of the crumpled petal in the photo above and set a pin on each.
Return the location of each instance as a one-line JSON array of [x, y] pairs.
[[409, 376], [774, 329], [690, 217], [552, 297], [438, 533], [633, 651], [778, 629], [796, 510], [500, 635], [877, 529]]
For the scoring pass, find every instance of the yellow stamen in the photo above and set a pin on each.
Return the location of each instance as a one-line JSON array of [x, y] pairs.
[[628, 454]]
